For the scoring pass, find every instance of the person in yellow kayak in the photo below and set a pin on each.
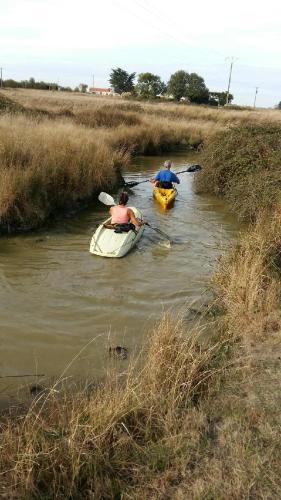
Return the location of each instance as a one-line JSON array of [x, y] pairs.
[[123, 218], [164, 178]]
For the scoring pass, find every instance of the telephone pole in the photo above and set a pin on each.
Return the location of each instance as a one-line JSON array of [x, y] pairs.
[[1, 79], [232, 61], [257, 88], [93, 81]]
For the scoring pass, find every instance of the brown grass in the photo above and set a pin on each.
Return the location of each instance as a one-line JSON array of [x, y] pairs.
[[57, 153], [45, 169], [58, 150], [117, 437], [56, 102]]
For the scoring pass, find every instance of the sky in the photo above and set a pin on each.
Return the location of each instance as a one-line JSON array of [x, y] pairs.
[[70, 41]]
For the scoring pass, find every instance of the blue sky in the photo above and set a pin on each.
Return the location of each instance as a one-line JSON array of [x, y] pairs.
[[68, 41]]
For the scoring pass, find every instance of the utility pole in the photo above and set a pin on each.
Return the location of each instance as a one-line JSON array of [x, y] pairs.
[[1, 79], [93, 81], [232, 61], [257, 88]]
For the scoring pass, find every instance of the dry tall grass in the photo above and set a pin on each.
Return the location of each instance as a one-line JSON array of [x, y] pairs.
[[116, 438], [240, 457], [58, 150], [57, 153], [45, 169], [57, 102], [248, 280]]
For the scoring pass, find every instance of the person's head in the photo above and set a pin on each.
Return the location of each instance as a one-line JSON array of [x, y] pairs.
[[123, 198], [168, 164]]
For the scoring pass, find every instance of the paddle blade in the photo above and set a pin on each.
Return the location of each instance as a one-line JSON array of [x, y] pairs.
[[165, 243], [194, 168], [106, 199], [135, 183]]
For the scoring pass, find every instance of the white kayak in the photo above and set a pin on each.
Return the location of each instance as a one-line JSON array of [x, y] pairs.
[[106, 243]]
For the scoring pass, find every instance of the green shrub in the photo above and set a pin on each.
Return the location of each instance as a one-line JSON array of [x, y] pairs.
[[242, 164]]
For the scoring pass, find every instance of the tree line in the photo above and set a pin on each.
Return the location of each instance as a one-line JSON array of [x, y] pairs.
[[32, 84], [181, 86]]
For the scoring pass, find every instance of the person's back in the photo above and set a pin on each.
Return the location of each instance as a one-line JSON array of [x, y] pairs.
[[165, 178], [119, 214]]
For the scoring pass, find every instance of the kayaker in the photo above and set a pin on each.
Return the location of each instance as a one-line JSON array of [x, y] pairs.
[[120, 214], [165, 177]]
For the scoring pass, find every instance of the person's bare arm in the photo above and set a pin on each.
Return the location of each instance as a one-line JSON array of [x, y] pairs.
[[133, 218]]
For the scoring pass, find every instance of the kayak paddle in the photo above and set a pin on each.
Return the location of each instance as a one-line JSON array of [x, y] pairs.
[[158, 231], [108, 200], [192, 168]]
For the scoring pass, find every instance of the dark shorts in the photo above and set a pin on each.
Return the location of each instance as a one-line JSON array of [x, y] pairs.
[[165, 185], [124, 228]]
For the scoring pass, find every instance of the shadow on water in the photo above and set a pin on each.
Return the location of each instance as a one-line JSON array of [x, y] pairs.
[[55, 296]]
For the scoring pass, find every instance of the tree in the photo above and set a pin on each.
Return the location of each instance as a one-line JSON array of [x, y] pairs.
[[10, 83], [196, 89], [122, 81], [219, 98], [83, 87], [177, 85], [31, 83], [278, 105], [149, 86], [188, 85]]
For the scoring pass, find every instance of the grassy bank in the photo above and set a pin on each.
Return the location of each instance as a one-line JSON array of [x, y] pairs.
[[55, 158], [242, 164], [57, 151]]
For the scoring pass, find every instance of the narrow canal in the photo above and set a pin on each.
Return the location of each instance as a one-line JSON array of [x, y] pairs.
[[55, 297]]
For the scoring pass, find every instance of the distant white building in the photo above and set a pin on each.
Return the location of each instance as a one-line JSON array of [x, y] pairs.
[[101, 91]]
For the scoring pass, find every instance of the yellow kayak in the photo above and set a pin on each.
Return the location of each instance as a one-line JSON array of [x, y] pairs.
[[165, 196]]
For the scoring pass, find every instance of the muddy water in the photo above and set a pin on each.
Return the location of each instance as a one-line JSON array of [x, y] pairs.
[[55, 297]]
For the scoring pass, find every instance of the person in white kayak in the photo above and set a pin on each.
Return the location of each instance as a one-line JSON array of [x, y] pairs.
[[123, 216], [164, 178]]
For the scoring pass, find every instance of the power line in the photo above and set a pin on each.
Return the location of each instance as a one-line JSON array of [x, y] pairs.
[[144, 19], [157, 15]]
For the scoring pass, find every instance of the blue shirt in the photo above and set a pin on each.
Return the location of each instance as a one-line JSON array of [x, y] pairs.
[[166, 176]]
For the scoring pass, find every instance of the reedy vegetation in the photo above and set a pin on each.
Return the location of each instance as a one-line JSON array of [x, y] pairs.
[[196, 421], [58, 151], [57, 156]]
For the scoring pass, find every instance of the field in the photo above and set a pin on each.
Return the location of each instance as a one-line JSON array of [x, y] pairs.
[[57, 151], [189, 420]]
